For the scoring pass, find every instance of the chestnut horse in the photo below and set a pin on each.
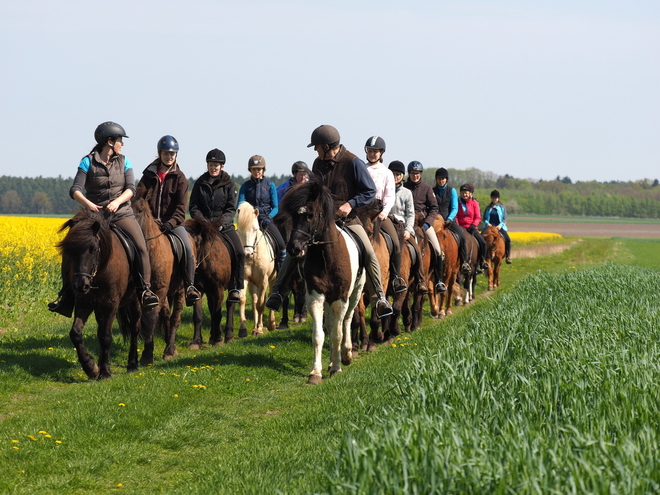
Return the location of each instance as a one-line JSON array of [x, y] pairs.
[[330, 268], [469, 280], [212, 276], [401, 300], [95, 265], [494, 255], [166, 280], [260, 269], [441, 304]]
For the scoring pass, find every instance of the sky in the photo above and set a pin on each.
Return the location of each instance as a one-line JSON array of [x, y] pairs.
[[526, 88]]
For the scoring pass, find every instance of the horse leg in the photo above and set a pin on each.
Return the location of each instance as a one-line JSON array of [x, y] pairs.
[[406, 316], [198, 318], [215, 308], [133, 316], [148, 321], [86, 360], [242, 329], [170, 348], [355, 325], [284, 322], [315, 305], [334, 315], [257, 314], [104, 320], [229, 322]]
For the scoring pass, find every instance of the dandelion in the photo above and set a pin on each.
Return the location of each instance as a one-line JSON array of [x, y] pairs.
[[176, 395], [58, 441], [272, 347], [42, 432], [393, 345], [14, 441], [16, 448], [121, 404], [248, 380]]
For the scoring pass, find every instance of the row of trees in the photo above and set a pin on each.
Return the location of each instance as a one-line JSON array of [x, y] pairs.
[[639, 199]]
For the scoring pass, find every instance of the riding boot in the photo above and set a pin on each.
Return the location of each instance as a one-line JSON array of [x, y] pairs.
[[507, 251], [147, 298], [64, 303], [440, 286], [192, 294], [282, 285], [422, 280], [398, 283]]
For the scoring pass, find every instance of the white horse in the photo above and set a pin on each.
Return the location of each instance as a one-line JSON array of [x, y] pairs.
[[259, 266]]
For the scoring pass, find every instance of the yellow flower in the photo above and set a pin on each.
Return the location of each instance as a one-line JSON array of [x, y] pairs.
[[393, 345], [58, 441], [14, 441], [176, 395], [16, 448], [43, 432], [32, 438], [121, 404], [272, 347]]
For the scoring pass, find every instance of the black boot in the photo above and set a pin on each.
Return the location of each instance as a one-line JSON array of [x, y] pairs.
[[234, 296], [282, 285], [64, 303], [440, 287], [398, 283], [147, 298], [192, 295]]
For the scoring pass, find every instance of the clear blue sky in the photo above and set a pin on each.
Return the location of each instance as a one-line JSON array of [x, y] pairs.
[[529, 88]]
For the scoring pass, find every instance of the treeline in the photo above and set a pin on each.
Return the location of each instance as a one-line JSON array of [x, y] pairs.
[[639, 199]]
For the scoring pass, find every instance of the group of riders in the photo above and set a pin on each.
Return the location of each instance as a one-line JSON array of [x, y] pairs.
[[105, 182]]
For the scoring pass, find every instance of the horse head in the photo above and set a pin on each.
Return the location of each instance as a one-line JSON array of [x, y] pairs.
[[247, 220]]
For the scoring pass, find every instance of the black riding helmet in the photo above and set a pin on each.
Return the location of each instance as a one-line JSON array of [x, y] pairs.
[[397, 166], [467, 187], [325, 135], [415, 166], [108, 130], [495, 194], [215, 155], [375, 143], [442, 173], [168, 143], [299, 166]]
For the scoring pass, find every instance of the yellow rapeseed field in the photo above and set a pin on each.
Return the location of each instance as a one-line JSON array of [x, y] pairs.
[[29, 260], [527, 238]]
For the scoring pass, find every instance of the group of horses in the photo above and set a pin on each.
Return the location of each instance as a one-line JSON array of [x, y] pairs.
[[330, 274]]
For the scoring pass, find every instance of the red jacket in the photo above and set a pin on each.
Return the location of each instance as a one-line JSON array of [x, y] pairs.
[[468, 213]]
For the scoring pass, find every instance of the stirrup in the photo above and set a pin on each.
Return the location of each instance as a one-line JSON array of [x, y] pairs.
[[399, 285], [422, 288], [274, 301], [466, 267], [440, 288], [383, 308], [508, 260], [192, 295], [485, 265], [234, 296], [148, 299]]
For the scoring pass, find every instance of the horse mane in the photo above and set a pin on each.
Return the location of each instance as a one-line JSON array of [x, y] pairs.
[[205, 230], [244, 215], [304, 194], [87, 230]]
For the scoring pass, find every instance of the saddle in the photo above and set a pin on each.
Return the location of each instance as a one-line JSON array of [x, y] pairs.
[[179, 250], [134, 261], [389, 242], [362, 253]]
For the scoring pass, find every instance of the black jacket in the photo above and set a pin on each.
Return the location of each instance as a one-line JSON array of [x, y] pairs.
[[216, 200]]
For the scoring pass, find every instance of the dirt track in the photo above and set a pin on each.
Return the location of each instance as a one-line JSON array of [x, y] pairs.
[[587, 229]]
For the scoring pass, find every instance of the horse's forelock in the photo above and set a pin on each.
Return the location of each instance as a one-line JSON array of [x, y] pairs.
[[87, 230], [244, 215]]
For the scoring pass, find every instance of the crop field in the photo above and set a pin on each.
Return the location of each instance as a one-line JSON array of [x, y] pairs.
[[547, 385]]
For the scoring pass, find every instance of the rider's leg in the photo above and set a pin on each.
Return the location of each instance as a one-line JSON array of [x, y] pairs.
[[462, 245], [282, 285], [192, 294], [507, 245], [398, 283], [432, 237], [280, 244], [233, 241], [482, 250], [422, 280], [66, 299]]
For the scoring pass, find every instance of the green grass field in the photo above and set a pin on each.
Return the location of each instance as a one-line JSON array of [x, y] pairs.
[[548, 385]]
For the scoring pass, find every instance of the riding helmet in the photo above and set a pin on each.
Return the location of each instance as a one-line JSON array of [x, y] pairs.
[[415, 166], [325, 134], [215, 155], [375, 143], [467, 187], [397, 166], [442, 173], [299, 166], [256, 161], [108, 130], [168, 143], [495, 194]]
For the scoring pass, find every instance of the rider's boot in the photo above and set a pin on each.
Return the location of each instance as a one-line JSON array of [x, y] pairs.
[[282, 284], [192, 295], [440, 287], [147, 298], [398, 283], [64, 303]]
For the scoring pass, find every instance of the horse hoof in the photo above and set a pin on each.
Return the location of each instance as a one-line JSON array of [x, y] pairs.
[[242, 334], [296, 318], [371, 347], [355, 353], [194, 347], [347, 360], [229, 339], [303, 319], [314, 379], [283, 326], [333, 373]]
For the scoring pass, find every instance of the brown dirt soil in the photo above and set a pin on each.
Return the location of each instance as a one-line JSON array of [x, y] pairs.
[[539, 250], [587, 229]]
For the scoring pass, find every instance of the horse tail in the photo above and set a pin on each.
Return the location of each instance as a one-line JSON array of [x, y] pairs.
[[124, 324]]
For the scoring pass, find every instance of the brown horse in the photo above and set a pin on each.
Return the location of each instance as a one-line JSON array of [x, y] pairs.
[[469, 280], [166, 280], [441, 304], [401, 300], [494, 255], [96, 266], [212, 277]]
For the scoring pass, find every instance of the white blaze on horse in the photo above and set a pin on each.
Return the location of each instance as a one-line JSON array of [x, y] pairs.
[[259, 266], [330, 268]]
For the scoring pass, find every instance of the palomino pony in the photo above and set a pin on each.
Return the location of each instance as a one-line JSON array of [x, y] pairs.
[[330, 268], [260, 270], [495, 250], [95, 264], [441, 304], [212, 276], [166, 280]]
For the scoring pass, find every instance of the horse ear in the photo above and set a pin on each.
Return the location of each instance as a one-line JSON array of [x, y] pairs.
[[315, 190], [96, 227]]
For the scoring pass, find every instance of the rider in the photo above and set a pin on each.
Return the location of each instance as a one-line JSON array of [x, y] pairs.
[[403, 210], [262, 195], [107, 177], [214, 197], [385, 191], [495, 215], [447, 200], [469, 217], [351, 186], [425, 203], [299, 174], [167, 201]]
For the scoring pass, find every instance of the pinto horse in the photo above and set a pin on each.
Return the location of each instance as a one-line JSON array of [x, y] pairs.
[[330, 267], [469, 279], [166, 280], [441, 304], [260, 270], [494, 254], [212, 276], [96, 266]]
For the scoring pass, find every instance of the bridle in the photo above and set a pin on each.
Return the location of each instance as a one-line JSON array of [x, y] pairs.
[[311, 237], [94, 270]]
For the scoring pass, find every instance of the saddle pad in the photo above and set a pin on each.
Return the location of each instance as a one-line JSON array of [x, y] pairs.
[[389, 242]]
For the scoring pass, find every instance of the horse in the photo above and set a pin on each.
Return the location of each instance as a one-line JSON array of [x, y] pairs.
[[166, 280], [368, 215], [441, 304], [260, 269], [212, 276], [95, 265], [330, 267], [469, 280], [495, 250]]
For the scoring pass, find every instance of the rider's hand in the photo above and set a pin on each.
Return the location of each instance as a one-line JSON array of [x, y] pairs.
[[406, 235], [344, 210]]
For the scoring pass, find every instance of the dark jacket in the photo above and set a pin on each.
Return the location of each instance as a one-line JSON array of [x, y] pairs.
[[423, 200], [262, 195], [168, 199], [104, 183], [348, 179], [214, 200]]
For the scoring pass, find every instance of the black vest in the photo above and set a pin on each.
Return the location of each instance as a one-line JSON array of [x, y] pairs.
[[444, 201]]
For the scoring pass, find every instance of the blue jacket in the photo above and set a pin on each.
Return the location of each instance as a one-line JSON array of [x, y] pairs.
[[261, 194], [284, 187], [448, 207], [495, 215]]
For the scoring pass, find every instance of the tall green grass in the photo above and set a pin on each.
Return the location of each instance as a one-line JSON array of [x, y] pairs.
[[552, 389]]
